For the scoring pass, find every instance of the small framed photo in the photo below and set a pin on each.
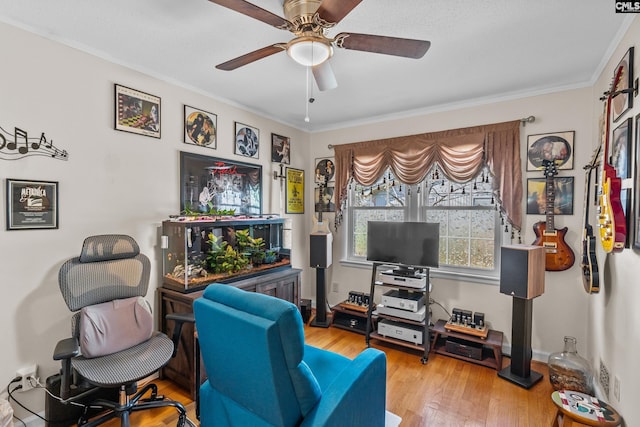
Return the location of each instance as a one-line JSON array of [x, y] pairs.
[[280, 149], [247, 141], [557, 147], [537, 196], [200, 127], [32, 204], [295, 191], [622, 102], [137, 112], [325, 170]]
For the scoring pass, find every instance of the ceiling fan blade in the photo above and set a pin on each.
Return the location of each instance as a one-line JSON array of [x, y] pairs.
[[335, 10], [255, 12], [250, 57], [324, 76], [409, 48]]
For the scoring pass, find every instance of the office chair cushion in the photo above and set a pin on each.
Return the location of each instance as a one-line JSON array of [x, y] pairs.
[[114, 326]]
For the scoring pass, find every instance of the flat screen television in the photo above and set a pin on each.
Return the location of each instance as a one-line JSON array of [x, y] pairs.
[[407, 243]]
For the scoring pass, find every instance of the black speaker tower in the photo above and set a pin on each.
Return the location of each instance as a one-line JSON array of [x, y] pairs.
[[522, 277], [320, 258]]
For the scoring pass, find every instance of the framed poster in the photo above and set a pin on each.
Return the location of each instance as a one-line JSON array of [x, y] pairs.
[[295, 191], [557, 146], [324, 202], [200, 127], [247, 142], [137, 112], [537, 196], [31, 204], [623, 101], [280, 149], [213, 185], [620, 159], [325, 170]]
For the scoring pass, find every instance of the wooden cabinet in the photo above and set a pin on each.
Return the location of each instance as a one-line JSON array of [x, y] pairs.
[[182, 368]]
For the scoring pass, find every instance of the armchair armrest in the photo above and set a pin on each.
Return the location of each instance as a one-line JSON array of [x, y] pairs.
[[180, 319], [357, 397], [66, 349]]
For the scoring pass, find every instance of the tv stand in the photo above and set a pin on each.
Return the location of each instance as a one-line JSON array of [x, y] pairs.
[[405, 331]]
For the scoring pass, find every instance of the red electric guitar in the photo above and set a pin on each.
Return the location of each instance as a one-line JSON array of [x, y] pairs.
[[611, 219], [559, 255]]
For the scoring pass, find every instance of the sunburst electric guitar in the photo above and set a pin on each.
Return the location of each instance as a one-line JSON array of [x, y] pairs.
[[589, 263], [558, 255], [611, 219]]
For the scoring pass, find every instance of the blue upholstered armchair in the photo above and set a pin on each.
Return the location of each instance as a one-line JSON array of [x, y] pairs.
[[261, 373]]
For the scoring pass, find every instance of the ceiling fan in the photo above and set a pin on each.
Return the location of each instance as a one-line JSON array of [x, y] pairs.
[[308, 20]]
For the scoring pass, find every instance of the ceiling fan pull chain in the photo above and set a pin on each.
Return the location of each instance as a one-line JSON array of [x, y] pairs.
[[306, 101]]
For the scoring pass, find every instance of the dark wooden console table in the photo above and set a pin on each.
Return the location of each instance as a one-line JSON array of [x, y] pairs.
[[284, 284]]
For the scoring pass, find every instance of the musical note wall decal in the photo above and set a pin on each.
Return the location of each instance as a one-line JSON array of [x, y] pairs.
[[18, 145]]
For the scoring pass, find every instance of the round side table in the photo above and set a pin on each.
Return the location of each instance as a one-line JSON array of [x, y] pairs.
[[578, 407]]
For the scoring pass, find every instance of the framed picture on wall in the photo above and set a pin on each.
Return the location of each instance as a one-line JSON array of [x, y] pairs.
[[324, 200], [557, 146], [620, 150], [32, 204], [137, 112], [324, 170], [247, 141], [295, 191], [622, 102], [537, 196], [280, 149], [213, 184], [200, 127]]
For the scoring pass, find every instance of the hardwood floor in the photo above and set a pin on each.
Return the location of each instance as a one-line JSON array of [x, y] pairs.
[[443, 392]]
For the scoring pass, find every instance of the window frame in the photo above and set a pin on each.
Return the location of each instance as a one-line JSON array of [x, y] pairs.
[[415, 210]]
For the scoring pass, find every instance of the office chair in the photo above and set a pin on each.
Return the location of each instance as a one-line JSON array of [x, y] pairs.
[[260, 372], [113, 344]]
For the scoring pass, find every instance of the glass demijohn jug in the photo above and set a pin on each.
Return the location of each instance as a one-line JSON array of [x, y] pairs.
[[569, 371]]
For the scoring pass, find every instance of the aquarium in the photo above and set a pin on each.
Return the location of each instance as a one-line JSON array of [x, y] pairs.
[[198, 250]]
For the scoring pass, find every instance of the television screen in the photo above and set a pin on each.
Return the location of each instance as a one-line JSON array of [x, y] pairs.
[[408, 243]]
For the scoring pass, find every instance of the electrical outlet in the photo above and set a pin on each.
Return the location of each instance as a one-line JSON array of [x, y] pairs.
[[604, 378], [25, 373], [335, 287], [616, 388]]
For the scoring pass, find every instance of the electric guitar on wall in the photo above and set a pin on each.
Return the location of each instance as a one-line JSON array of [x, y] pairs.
[[589, 264], [611, 219], [320, 226], [558, 255]]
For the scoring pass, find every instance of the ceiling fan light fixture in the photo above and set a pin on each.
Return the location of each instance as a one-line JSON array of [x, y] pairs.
[[308, 51]]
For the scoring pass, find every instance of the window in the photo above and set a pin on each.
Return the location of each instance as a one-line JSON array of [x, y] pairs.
[[470, 231]]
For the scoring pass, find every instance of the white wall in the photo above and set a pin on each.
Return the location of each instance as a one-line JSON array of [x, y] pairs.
[[613, 319], [124, 183], [113, 182], [606, 325], [570, 110]]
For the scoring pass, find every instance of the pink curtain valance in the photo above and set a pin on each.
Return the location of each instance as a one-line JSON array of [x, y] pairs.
[[460, 153]]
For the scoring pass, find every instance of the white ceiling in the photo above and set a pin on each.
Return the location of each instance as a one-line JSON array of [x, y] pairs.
[[480, 51]]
